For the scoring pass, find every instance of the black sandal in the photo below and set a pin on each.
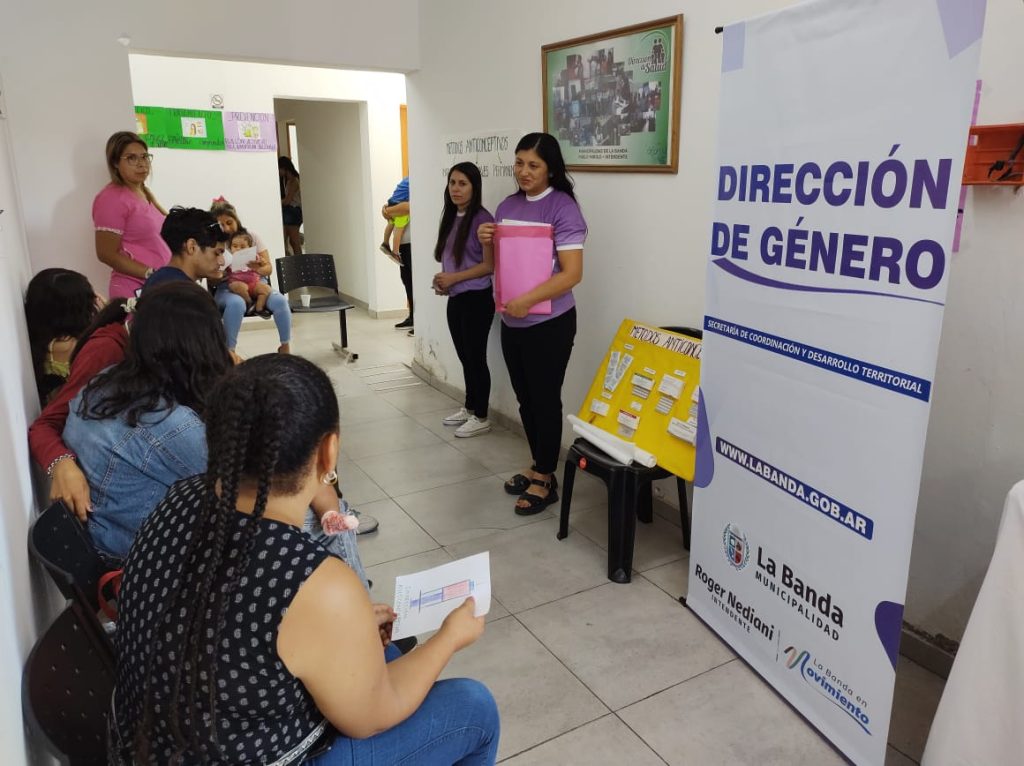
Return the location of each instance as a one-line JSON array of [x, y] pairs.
[[518, 484], [536, 503]]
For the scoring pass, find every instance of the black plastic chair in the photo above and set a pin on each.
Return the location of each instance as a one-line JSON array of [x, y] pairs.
[[315, 270], [630, 495], [62, 545], [66, 688]]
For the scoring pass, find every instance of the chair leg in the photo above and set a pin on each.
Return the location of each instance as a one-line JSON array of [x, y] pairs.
[[621, 527], [645, 503], [684, 512], [568, 478], [343, 348]]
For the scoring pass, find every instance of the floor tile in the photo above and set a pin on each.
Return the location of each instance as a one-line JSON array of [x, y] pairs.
[[655, 544], [432, 422], [360, 440], [498, 450], [587, 492], [626, 642], [915, 700], [397, 536], [537, 697], [894, 757], [671, 578], [412, 470], [604, 742], [727, 716], [530, 567], [455, 513], [420, 399], [356, 486], [365, 409]]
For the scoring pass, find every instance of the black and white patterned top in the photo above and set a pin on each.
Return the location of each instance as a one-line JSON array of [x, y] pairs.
[[264, 714]]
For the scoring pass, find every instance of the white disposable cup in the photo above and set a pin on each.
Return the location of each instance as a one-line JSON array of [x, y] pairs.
[[305, 300]]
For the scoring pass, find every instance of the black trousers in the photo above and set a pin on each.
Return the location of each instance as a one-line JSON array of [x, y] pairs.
[[537, 357], [405, 271], [469, 321]]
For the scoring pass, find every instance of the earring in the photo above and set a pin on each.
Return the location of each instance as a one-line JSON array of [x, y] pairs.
[[551, 175], [331, 477]]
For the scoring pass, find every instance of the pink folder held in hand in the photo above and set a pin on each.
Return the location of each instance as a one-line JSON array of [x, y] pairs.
[[522, 260]]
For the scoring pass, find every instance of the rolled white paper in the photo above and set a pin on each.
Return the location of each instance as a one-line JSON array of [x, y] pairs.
[[610, 449], [620, 449]]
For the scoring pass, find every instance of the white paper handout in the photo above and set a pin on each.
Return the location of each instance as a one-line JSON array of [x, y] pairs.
[[240, 259], [424, 599]]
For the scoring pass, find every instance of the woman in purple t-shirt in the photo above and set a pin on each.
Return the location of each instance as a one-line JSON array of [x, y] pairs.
[[536, 347], [465, 277]]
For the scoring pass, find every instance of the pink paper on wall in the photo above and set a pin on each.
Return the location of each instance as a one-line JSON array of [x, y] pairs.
[[522, 260]]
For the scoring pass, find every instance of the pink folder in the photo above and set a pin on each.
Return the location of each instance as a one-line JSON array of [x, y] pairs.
[[522, 260]]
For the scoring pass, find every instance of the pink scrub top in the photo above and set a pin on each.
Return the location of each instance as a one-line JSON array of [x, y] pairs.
[[119, 210]]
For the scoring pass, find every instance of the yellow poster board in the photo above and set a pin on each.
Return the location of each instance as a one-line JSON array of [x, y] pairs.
[[645, 392]]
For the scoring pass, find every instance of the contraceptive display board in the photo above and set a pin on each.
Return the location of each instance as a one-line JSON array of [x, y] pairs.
[[645, 392]]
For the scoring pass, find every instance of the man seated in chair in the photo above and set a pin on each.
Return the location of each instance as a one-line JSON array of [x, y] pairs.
[[197, 244]]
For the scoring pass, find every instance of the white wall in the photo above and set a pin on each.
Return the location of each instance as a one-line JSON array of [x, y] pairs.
[[975, 449], [342, 195], [21, 615], [645, 256], [67, 87]]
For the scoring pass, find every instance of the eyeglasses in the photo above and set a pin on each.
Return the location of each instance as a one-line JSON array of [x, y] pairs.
[[138, 159]]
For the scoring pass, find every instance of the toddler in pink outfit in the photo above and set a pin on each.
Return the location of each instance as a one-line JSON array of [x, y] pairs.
[[246, 282]]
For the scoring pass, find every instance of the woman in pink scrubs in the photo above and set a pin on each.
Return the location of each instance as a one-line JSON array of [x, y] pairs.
[[128, 218]]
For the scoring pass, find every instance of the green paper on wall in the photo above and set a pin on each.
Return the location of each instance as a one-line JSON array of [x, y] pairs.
[[180, 128]]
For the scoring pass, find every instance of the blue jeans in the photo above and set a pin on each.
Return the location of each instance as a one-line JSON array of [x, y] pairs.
[[232, 306], [456, 724]]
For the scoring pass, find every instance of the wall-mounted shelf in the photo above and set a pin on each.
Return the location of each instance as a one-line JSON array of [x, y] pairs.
[[989, 145]]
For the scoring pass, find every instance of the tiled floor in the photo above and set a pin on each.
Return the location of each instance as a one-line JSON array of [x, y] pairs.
[[584, 671]]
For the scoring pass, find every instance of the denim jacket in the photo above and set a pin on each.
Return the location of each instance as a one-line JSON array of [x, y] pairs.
[[130, 469]]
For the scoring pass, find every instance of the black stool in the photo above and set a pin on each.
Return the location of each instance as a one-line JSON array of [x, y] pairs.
[[629, 498]]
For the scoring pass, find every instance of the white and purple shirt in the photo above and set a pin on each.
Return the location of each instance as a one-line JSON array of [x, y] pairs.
[[472, 255], [569, 231]]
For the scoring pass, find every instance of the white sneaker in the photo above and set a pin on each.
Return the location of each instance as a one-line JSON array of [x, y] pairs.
[[473, 427], [457, 418]]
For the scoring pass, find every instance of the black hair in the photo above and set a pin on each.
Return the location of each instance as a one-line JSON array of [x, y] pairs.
[[185, 223], [547, 148], [177, 350], [59, 303], [272, 413], [285, 164], [448, 215], [241, 232]]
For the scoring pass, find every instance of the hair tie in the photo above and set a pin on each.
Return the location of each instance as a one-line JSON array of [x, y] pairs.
[[130, 304], [219, 199]]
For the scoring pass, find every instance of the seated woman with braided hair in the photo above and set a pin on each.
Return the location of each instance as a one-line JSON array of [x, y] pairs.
[[242, 641]]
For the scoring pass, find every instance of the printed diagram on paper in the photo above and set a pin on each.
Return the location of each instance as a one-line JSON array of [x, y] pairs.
[[424, 599]]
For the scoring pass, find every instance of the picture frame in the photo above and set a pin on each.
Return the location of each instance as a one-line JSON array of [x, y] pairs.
[[612, 99]]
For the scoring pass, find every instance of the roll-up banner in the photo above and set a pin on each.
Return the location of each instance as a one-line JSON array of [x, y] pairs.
[[841, 141]]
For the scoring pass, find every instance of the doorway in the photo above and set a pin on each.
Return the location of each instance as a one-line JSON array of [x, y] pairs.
[[324, 141]]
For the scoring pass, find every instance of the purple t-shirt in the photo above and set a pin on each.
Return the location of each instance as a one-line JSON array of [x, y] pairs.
[[568, 229], [472, 255]]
